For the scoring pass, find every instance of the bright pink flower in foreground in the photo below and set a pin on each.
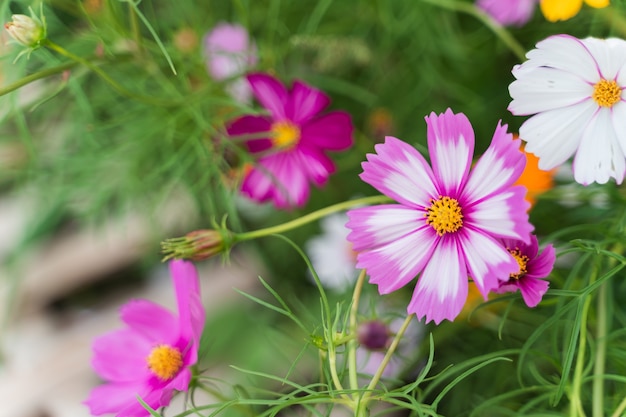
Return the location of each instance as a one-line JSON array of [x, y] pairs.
[[230, 53], [533, 266], [449, 219], [293, 153], [509, 12], [150, 358]]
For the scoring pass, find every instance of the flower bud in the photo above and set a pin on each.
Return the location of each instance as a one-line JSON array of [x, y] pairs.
[[27, 31], [197, 245], [373, 335]]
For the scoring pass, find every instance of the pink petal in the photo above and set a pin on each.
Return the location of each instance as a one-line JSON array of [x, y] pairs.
[[511, 12], [152, 321], [317, 166], [116, 398], [399, 171], [441, 290], [541, 266], [252, 124], [182, 380], [488, 262], [270, 93], [498, 168], [121, 356], [305, 102], [451, 147], [190, 309], [501, 215], [332, 131], [532, 290]]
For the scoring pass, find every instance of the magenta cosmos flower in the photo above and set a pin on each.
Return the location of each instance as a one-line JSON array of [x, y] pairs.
[[229, 54], [150, 358], [533, 266], [509, 12], [293, 153], [448, 220]]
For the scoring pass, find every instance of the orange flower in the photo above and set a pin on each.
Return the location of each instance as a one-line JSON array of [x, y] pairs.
[[534, 179]]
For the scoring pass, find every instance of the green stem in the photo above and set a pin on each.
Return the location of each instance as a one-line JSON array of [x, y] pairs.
[[116, 86], [600, 359], [308, 218], [500, 31], [576, 408], [353, 342], [379, 372], [36, 76], [620, 409]]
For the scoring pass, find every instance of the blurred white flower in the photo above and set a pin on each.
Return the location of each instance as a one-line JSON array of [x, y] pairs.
[[331, 254]]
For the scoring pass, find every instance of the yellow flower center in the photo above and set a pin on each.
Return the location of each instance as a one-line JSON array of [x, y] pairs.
[[444, 215], [606, 93], [285, 134], [165, 362], [522, 260]]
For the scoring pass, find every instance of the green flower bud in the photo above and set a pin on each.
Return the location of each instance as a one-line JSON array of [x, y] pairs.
[[27, 31]]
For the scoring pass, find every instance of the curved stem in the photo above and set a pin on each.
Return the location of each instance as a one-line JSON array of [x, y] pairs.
[[36, 76], [308, 218]]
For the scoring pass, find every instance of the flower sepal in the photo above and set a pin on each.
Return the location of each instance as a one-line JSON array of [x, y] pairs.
[[199, 244], [28, 31]]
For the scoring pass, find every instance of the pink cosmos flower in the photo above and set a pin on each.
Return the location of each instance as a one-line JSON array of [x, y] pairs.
[[293, 153], [509, 12], [150, 358], [230, 53], [533, 266], [448, 220]]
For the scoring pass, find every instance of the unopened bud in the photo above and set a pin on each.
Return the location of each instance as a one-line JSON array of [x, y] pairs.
[[27, 31], [197, 245]]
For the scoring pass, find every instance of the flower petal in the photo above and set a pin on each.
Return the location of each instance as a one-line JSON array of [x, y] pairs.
[[451, 147], [332, 131], [252, 124], [563, 52], [543, 88], [599, 156], [190, 309], [618, 118], [555, 10], [181, 381], [399, 171], [441, 289], [553, 136], [151, 320], [118, 398], [488, 262], [610, 55], [532, 290], [270, 93], [498, 168], [541, 266], [305, 102], [315, 164], [515, 13], [120, 356], [501, 215]]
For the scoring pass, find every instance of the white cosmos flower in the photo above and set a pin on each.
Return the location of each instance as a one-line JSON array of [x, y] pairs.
[[575, 89]]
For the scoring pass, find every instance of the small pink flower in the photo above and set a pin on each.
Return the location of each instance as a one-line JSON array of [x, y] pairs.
[[229, 54], [533, 266], [449, 219], [150, 358], [293, 152], [509, 12]]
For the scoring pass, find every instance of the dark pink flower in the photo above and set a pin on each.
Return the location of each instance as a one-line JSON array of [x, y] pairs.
[[293, 153], [150, 358], [533, 266], [509, 12]]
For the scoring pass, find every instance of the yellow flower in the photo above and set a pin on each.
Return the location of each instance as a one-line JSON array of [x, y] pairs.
[[555, 10]]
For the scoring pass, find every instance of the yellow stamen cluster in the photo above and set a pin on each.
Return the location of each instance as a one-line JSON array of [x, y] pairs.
[[285, 134], [165, 362], [522, 260], [606, 93], [444, 215]]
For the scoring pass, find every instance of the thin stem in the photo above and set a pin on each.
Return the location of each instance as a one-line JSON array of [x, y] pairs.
[[500, 31], [308, 218], [576, 408], [620, 409], [600, 359], [379, 372], [36, 76], [116, 86], [353, 342]]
